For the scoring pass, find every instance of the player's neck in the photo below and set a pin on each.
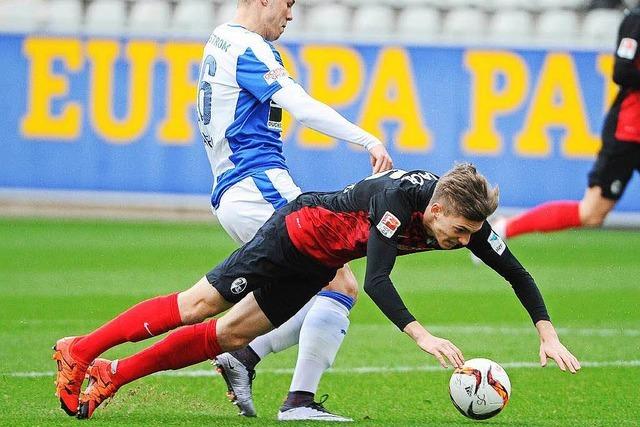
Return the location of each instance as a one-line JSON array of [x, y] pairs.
[[427, 222], [249, 20]]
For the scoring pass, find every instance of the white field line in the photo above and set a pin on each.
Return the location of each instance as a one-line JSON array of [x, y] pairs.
[[459, 329], [356, 370], [500, 330]]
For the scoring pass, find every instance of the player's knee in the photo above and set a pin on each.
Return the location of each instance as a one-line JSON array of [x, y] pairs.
[[345, 283], [191, 313], [198, 303], [231, 339], [592, 217], [593, 220]]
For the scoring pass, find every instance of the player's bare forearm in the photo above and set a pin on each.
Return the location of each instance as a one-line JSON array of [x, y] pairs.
[[416, 331], [546, 331]]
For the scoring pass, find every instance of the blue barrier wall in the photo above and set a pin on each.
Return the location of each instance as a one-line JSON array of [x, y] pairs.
[[118, 114]]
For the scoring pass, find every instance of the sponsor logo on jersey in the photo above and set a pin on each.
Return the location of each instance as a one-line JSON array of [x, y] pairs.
[[273, 75], [496, 243], [238, 285], [388, 225], [275, 117], [627, 48]]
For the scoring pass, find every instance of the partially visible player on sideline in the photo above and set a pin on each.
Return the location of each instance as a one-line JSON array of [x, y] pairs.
[[292, 256], [243, 88], [618, 157]]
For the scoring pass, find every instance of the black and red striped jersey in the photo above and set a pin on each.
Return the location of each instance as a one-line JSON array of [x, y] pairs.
[[380, 217], [623, 118], [334, 228]]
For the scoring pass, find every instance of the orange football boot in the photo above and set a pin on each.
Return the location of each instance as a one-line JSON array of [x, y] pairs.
[[100, 388], [70, 375]]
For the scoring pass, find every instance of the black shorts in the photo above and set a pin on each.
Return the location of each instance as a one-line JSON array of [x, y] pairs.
[[281, 278], [614, 166]]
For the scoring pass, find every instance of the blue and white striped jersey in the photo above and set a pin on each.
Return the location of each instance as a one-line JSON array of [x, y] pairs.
[[240, 125]]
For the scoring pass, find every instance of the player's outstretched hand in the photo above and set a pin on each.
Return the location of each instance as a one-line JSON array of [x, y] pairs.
[[380, 159], [442, 350], [550, 346], [558, 352]]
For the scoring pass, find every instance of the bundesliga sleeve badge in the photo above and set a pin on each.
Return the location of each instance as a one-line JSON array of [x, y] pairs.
[[627, 48], [388, 224], [497, 244]]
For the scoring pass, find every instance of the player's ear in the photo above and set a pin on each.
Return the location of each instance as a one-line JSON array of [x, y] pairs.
[[436, 208]]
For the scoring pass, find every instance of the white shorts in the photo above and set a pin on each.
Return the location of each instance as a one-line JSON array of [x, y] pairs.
[[247, 205]]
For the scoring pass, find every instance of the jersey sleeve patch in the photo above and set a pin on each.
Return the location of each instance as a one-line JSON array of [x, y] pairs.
[[388, 225], [272, 76], [627, 48], [256, 77], [497, 244]]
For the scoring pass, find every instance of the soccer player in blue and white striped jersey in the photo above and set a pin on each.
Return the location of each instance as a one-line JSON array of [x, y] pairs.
[[242, 89]]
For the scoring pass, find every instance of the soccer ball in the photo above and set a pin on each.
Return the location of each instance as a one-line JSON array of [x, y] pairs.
[[480, 389]]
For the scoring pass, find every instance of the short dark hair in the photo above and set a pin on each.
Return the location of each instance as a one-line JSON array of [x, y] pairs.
[[464, 191]]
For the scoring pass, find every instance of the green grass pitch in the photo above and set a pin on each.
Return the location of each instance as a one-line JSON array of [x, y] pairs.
[[65, 277]]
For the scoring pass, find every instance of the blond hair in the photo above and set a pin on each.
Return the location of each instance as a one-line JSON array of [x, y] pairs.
[[465, 192]]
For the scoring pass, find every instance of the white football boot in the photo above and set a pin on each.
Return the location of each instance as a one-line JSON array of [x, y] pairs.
[[239, 380], [314, 411], [500, 227]]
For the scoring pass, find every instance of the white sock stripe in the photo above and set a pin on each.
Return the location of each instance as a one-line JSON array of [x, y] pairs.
[[354, 370]]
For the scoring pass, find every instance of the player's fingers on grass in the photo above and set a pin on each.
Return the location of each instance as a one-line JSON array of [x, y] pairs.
[[567, 359], [559, 361], [572, 363], [564, 359], [576, 362], [576, 365], [543, 359]]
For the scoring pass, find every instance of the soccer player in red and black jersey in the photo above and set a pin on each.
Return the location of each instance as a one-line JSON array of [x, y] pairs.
[[296, 252], [618, 157]]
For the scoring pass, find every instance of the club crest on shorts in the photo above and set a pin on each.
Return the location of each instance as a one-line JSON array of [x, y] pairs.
[[238, 285], [616, 187], [388, 224]]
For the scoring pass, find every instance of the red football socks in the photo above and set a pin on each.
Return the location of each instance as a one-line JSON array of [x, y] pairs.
[[551, 216], [183, 347], [147, 319]]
